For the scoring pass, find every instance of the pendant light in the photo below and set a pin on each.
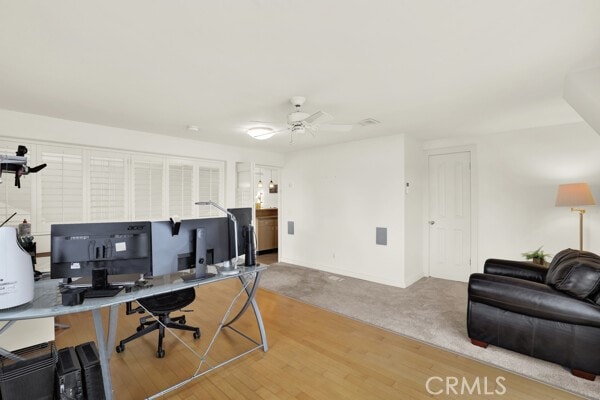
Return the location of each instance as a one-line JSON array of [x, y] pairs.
[[260, 184], [271, 184]]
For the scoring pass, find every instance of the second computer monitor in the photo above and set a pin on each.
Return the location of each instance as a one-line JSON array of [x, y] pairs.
[[175, 252]]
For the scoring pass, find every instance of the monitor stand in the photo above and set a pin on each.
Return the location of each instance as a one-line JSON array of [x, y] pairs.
[[200, 257]]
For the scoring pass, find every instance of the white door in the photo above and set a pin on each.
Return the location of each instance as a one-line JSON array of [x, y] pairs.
[[450, 216]]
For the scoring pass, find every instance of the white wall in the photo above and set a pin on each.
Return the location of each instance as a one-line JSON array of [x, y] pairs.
[[25, 127], [518, 175], [337, 196], [416, 177]]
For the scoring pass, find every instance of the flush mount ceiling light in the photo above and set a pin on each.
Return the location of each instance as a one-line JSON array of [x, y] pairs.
[[193, 128], [260, 133]]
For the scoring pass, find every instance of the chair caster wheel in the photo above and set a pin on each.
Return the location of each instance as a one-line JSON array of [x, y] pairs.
[[120, 348], [182, 321], [160, 353], [139, 328], [197, 335]]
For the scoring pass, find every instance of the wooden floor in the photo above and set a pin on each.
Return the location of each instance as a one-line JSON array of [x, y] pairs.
[[314, 354]]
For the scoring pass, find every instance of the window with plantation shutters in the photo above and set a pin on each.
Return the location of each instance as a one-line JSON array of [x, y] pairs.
[[181, 190], [107, 183], [13, 199], [148, 189], [209, 188], [86, 184], [61, 186]]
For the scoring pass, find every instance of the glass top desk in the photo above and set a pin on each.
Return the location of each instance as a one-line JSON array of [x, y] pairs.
[[47, 302]]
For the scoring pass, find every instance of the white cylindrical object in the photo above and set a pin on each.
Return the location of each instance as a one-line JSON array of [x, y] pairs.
[[16, 270]]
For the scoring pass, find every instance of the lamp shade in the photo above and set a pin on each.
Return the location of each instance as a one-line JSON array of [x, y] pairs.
[[574, 194]]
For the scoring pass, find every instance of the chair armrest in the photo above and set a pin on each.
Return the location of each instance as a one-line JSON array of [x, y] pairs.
[[516, 269], [130, 310], [531, 298]]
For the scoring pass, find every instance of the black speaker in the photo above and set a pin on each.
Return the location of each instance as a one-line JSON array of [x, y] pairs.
[[249, 245], [68, 375], [93, 386], [99, 278]]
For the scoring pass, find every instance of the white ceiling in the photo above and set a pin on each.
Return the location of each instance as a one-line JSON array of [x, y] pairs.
[[425, 67]]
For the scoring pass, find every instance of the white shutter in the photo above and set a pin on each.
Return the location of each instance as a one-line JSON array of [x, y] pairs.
[[181, 190], [148, 190], [107, 187], [61, 186], [210, 184], [243, 191], [13, 199]]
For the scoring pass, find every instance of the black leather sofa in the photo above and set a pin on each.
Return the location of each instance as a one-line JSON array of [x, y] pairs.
[[549, 313]]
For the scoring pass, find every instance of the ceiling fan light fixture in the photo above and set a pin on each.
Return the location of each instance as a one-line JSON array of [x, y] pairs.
[[298, 128], [260, 133]]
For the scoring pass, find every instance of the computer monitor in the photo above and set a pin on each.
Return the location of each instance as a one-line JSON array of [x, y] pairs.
[[119, 247], [175, 252]]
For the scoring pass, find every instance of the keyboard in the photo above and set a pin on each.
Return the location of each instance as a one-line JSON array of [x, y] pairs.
[[106, 292]]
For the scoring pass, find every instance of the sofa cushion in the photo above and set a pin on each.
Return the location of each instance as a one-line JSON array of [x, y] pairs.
[[576, 273], [531, 298]]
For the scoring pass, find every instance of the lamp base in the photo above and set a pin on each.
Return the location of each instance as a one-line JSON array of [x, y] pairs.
[[228, 268]]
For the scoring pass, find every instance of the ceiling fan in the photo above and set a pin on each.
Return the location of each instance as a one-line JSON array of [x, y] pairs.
[[299, 122]]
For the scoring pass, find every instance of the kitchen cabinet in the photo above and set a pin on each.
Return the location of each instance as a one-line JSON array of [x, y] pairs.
[[267, 229]]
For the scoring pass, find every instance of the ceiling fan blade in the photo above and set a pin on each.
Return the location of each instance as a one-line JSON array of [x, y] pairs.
[[335, 127], [318, 116]]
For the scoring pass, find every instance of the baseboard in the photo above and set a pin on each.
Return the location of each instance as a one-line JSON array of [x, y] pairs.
[[263, 252], [340, 271]]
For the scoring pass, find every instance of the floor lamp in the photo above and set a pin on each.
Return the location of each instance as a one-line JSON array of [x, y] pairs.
[[575, 195]]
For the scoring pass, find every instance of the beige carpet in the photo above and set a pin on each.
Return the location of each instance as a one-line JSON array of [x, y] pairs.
[[431, 310]]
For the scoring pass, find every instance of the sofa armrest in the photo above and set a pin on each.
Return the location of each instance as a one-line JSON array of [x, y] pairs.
[[516, 269], [531, 298]]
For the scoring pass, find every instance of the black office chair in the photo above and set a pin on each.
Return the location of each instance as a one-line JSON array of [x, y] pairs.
[[161, 306]]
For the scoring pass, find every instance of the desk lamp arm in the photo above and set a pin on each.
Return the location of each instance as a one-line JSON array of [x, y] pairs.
[[232, 217]]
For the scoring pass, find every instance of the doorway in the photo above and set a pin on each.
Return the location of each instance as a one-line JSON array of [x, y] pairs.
[[450, 215], [258, 186]]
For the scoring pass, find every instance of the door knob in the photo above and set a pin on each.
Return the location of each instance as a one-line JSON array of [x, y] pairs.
[[431, 222]]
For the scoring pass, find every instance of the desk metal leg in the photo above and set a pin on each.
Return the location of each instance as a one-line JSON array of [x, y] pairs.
[[263, 344], [261, 327], [251, 301], [105, 345]]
